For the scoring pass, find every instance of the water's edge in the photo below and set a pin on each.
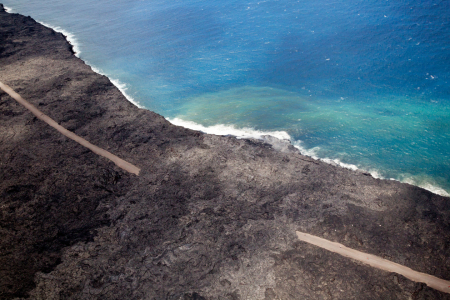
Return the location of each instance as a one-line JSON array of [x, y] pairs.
[[242, 133]]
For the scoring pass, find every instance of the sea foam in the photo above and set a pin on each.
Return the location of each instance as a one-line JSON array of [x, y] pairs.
[[222, 129], [425, 184], [123, 89], [332, 161], [70, 37], [120, 85]]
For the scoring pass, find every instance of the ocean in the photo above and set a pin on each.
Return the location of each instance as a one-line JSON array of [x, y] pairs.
[[359, 83]]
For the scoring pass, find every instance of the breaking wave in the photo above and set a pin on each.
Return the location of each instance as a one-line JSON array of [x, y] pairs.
[[222, 129], [70, 37]]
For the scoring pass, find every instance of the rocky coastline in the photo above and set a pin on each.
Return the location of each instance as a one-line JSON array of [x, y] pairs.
[[208, 217]]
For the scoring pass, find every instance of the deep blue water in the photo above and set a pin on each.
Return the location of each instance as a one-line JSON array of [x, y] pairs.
[[363, 83]]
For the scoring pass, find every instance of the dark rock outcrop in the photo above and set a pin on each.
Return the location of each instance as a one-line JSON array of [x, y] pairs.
[[209, 217]]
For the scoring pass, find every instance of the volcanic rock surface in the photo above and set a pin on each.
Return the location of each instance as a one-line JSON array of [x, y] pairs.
[[209, 217]]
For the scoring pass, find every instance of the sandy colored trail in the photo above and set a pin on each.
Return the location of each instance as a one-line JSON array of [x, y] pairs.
[[377, 262], [40, 115]]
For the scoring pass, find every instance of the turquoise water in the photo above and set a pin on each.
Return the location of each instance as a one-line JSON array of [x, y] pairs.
[[363, 84]]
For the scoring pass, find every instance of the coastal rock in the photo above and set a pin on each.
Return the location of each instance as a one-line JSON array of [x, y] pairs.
[[209, 217]]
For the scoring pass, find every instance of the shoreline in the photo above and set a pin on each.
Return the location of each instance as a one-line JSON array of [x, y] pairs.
[[209, 216], [70, 37], [243, 133], [225, 130]]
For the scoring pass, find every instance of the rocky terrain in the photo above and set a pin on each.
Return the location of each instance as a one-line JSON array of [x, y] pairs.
[[209, 217]]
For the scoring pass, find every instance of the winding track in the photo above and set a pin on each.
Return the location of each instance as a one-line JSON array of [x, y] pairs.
[[376, 262], [97, 150]]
